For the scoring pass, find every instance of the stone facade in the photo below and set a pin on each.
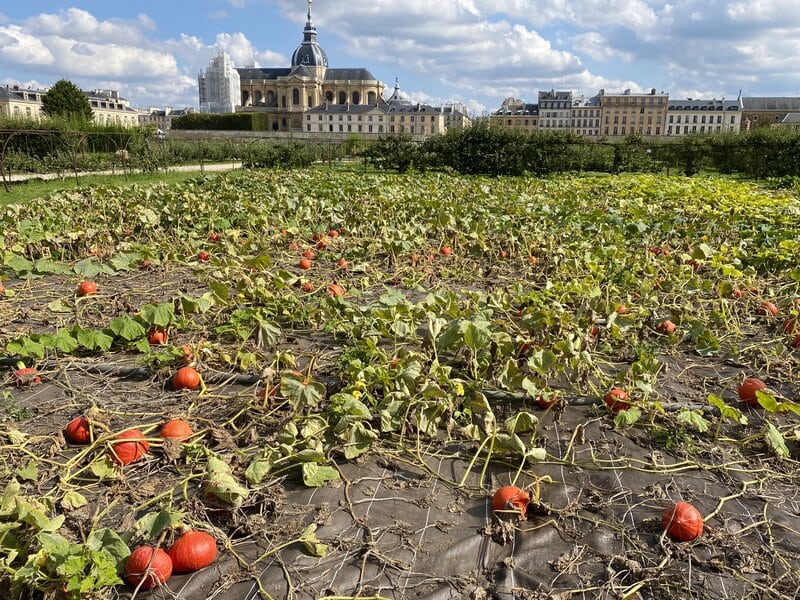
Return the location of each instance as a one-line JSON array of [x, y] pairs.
[[627, 113]]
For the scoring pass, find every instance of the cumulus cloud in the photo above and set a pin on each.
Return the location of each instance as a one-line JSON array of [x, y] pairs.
[[597, 46], [18, 46], [119, 54]]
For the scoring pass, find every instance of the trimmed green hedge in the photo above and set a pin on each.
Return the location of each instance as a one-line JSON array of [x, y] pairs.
[[250, 121]]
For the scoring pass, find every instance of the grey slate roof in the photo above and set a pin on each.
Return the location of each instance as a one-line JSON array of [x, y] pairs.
[[351, 109], [350, 74], [529, 109], [703, 105], [786, 103], [793, 117], [10, 94]]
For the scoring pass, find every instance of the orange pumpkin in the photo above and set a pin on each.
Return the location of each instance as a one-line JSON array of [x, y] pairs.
[[186, 378], [192, 551], [126, 452], [176, 429], [510, 499], [150, 566], [78, 431], [747, 391], [682, 522], [617, 399]]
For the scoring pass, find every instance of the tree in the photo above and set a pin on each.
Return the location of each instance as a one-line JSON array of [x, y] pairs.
[[65, 100]]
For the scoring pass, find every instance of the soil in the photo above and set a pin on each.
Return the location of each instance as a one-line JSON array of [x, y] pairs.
[[398, 524]]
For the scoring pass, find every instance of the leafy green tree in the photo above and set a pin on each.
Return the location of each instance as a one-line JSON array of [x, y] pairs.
[[65, 100]]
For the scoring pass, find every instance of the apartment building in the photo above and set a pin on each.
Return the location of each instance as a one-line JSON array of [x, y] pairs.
[[585, 118], [555, 111], [19, 103], [633, 114], [516, 114], [693, 117]]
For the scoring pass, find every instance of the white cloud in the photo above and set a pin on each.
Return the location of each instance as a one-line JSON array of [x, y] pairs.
[[18, 46], [597, 46]]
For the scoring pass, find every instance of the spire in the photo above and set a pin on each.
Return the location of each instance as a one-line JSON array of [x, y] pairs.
[[309, 53]]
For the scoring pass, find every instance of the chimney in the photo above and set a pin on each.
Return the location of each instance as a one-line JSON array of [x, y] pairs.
[[652, 91]]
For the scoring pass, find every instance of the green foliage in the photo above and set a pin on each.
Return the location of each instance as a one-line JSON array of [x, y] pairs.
[[241, 121], [64, 99]]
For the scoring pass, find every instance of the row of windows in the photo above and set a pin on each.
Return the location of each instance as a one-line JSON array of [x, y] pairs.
[[628, 100], [583, 112], [633, 120], [107, 105], [702, 119], [412, 118], [551, 104], [586, 123], [640, 131], [369, 129], [271, 99], [703, 129]]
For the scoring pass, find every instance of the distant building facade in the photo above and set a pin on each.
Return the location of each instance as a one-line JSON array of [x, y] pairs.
[[397, 115], [17, 103], [219, 86], [764, 111], [108, 107], [555, 111], [693, 117], [516, 114], [162, 118], [633, 114], [585, 116], [287, 93]]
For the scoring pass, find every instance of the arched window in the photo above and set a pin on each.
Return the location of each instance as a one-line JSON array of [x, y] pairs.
[[16, 111], [295, 96], [310, 102], [28, 112], [342, 97], [245, 98], [356, 98], [283, 101], [259, 97], [271, 101], [371, 98], [329, 96]]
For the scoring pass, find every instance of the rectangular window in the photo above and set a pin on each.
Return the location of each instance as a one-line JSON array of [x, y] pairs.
[[370, 128], [349, 128], [670, 119], [308, 127], [380, 128], [703, 119], [669, 130], [341, 127], [361, 128], [308, 117]]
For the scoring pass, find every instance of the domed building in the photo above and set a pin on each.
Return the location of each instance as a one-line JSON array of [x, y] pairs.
[[285, 93]]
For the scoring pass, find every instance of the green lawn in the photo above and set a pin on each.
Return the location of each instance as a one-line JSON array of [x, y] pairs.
[[37, 188]]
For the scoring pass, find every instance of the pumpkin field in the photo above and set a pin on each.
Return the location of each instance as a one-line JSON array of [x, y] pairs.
[[318, 384]]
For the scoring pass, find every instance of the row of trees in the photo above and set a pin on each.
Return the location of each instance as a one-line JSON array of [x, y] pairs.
[[482, 149]]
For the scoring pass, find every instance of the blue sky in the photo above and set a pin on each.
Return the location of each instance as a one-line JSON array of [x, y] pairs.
[[476, 52]]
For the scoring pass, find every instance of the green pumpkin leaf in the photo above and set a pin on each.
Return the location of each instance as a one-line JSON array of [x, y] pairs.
[[315, 475], [126, 328]]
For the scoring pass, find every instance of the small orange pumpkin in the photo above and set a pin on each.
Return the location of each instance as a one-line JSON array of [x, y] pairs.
[[186, 378], [192, 551], [682, 522], [176, 429], [510, 498], [150, 566], [78, 431], [126, 452]]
